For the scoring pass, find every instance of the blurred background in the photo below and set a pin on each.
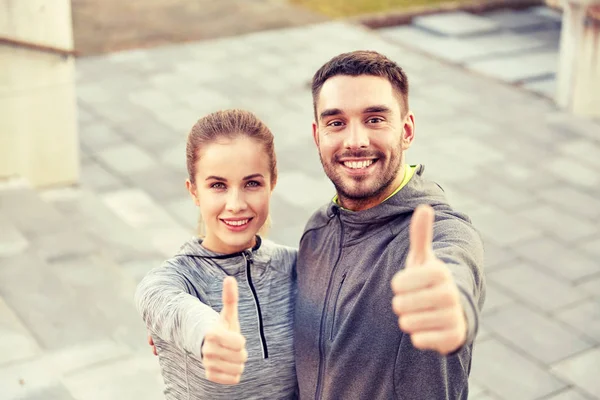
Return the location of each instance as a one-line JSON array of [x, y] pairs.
[[96, 99]]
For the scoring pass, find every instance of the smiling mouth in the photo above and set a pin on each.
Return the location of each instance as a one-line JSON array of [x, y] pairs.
[[237, 222], [361, 164]]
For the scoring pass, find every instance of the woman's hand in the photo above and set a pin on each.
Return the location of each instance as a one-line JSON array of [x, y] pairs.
[[224, 348]]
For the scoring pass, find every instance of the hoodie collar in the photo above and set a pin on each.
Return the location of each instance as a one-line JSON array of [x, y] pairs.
[[233, 263], [361, 224]]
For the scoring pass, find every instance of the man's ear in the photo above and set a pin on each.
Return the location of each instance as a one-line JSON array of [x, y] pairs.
[[315, 129], [408, 130], [191, 188]]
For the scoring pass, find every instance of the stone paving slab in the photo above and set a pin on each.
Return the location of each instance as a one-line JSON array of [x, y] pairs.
[[16, 343], [131, 378], [527, 20], [519, 68], [458, 23], [30, 377], [569, 394], [532, 286], [583, 370], [513, 46], [495, 367], [536, 335]]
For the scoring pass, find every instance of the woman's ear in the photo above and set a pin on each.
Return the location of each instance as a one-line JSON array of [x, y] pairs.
[[191, 188]]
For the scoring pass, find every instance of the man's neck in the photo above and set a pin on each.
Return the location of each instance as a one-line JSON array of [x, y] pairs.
[[365, 204]]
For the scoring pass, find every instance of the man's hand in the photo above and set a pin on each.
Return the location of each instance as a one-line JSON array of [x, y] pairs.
[[224, 348], [426, 299]]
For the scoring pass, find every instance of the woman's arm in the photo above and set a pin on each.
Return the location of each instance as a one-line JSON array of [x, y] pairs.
[[170, 312]]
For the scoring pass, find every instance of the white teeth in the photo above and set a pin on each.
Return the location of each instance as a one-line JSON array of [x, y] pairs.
[[358, 164], [236, 223]]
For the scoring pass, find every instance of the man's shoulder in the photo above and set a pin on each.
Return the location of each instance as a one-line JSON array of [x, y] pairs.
[[319, 219]]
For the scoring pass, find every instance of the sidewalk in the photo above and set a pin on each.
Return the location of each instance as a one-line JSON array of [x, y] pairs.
[[527, 173]]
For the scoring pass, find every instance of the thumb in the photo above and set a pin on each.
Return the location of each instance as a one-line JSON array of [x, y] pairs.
[[229, 312], [421, 235]]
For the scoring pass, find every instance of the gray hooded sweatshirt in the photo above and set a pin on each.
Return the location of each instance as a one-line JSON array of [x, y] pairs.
[[181, 300], [348, 343]]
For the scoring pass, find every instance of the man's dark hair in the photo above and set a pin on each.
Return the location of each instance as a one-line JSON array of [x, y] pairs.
[[362, 62]]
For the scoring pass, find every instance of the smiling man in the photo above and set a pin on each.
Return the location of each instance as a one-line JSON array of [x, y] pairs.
[[390, 281]]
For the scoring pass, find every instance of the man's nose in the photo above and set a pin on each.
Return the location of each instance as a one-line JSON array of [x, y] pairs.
[[357, 137]]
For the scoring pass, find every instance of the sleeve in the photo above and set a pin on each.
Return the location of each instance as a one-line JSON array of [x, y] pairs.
[[170, 312], [459, 245]]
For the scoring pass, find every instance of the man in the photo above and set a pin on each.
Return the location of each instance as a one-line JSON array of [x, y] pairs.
[[355, 336], [347, 337]]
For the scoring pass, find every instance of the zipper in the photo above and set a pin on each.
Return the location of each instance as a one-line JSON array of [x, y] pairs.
[[337, 297], [322, 333], [261, 329]]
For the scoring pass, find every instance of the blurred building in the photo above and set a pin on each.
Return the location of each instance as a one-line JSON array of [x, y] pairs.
[[38, 129]]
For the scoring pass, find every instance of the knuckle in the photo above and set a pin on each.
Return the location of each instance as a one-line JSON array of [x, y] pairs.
[[406, 324], [208, 351], [441, 273], [397, 304], [446, 295], [211, 337], [210, 375], [417, 341], [244, 355]]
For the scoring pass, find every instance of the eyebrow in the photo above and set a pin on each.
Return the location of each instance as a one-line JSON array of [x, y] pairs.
[[330, 113], [372, 109], [246, 178], [377, 109]]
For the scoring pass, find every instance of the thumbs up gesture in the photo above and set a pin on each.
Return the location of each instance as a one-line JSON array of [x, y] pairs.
[[224, 348], [426, 299]]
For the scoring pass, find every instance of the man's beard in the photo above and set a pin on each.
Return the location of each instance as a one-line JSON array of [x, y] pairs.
[[347, 190]]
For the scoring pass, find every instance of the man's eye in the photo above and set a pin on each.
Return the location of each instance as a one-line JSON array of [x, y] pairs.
[[335, 123], [217, 185], [375, 120]]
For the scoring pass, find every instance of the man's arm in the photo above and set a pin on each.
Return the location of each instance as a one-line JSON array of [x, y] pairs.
[[436, 296]]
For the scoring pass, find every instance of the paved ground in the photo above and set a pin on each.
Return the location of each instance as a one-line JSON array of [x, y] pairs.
[[527, 173], [519, 47], [102, 26]]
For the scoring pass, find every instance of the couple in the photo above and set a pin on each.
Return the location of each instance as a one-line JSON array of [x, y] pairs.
[[382, 299]]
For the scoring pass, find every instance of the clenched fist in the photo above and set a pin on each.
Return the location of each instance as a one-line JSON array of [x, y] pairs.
[[224, 348], [426, 299]]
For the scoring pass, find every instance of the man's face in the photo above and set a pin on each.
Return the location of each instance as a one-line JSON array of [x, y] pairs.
[[361, 135]]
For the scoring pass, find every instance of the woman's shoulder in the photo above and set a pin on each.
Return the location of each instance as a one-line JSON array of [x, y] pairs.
[[276, 250]]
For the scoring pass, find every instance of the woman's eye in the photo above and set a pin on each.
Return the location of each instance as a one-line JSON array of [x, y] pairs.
[[217, 185], [253, 183]]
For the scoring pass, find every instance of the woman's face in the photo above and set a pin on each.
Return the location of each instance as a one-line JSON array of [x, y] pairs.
[[233, 190]]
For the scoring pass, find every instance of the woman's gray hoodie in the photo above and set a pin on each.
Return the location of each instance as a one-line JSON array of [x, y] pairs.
[[181, 300]]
